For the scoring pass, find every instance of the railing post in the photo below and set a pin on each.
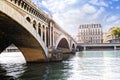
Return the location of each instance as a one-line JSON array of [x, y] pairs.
[[84, 48], [114, 47]]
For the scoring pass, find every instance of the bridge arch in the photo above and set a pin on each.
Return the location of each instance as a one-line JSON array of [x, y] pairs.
[[18, 31], [62, 42]]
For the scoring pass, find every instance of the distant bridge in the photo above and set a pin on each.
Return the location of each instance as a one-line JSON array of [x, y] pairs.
[[31, 30], [99, 46]]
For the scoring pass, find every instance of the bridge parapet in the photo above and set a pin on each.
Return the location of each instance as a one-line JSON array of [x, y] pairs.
[[30, 8], [99, 46], [35, 16]]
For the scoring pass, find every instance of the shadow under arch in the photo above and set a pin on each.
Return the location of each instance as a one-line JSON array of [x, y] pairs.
[[63, 44], [13, 31]]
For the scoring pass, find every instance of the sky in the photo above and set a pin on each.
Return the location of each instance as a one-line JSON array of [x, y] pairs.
[[69, 14]]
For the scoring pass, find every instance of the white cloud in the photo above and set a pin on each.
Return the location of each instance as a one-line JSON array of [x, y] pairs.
[[99, 3], [115, 0], [76, 16], [112, 19], [98, 14], [111, 7], [69, 20], [70, 1], [118, 7], [117, 22], [109, 25], [89, 9], [110, 2], [69, 15], [57, 5]]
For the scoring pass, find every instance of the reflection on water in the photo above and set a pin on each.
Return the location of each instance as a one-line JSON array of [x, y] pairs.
[[86, 65]]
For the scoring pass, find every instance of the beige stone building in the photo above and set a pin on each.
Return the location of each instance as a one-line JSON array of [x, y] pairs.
[[90, 33], [105, 37]]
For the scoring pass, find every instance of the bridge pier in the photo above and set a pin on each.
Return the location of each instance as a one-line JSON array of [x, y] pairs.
[[51, 34], [84, 48], [33, 54], [115, 48]]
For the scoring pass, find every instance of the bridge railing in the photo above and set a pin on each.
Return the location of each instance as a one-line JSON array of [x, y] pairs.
[[98, 44], [30, 8]]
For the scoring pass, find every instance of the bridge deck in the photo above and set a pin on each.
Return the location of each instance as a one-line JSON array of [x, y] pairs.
[[99, 46]]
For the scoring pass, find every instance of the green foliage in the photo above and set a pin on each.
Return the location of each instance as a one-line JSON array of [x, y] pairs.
[[116, 32]]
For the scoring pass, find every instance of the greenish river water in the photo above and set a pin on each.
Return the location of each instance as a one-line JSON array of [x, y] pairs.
[[86, 65]]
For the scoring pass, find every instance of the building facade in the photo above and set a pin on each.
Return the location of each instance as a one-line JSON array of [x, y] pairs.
[[90, 33], [105, 37], [11, 48]]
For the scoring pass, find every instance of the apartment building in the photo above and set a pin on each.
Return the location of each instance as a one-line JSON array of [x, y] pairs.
[[90, 33]]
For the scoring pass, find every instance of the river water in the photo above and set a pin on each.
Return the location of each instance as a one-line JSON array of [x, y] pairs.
[[85, 65]]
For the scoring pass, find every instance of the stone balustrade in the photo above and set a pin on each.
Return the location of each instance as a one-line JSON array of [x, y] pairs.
[[31, 8]]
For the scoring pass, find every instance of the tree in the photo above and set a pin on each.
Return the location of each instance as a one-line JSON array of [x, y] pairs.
[[116, 32]]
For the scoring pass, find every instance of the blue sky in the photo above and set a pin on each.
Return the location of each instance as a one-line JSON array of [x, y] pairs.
[[69, 14]]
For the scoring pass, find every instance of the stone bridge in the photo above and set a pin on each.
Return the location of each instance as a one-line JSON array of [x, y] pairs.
[[33, 31]]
